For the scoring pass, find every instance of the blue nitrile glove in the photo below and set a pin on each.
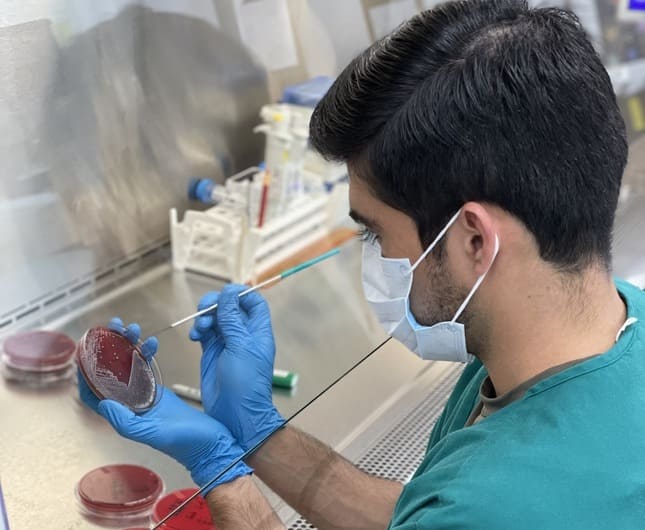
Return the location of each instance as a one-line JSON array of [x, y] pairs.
[[237, 364], [203, 445], [132, 332]]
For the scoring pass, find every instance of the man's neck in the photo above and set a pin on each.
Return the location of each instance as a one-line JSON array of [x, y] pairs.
[[551, 321]]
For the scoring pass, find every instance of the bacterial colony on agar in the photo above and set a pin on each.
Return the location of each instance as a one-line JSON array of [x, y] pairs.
[[195, 516], [114, 368], [38, 358], [121, 493]]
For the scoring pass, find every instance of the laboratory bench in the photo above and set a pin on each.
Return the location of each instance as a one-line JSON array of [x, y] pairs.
[[322, 325]]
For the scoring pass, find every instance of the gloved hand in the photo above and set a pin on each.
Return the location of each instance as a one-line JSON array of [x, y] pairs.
[[203, 445], [237, 364], [132, 332]]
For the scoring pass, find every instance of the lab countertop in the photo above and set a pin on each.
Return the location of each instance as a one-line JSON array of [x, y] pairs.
[[322, 327]]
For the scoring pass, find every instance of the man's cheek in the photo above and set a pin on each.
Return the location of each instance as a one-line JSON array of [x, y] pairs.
[[419, 301]]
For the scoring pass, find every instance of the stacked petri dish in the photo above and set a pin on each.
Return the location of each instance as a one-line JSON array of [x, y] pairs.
[[119, 494], [195, 516], [38, 358]]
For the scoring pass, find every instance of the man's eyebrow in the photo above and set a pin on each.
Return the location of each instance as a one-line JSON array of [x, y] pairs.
[[358, 218]]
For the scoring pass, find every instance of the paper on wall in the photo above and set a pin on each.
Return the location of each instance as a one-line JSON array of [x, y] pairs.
[[201, 10], [265, 28], [387, 16]]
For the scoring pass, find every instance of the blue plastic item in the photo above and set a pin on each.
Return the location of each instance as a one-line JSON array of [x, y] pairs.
[[201, 189], [192, 188], [308, 93]]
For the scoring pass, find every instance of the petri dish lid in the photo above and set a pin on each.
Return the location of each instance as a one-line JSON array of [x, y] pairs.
[[114, 368], [119, 490], [195, 516], [38, 351]]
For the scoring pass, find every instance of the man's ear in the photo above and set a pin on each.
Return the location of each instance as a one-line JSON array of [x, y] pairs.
[[478, 236]]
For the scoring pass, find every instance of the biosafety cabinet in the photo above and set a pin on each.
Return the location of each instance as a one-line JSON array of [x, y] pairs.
[[107, 111]]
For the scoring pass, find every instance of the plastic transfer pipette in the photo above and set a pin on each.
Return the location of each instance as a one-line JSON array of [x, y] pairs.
[[276, 278]]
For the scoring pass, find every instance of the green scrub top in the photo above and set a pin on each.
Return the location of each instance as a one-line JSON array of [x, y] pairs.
[[570, 454]]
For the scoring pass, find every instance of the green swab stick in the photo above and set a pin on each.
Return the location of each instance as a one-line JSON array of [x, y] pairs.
[[276, 278]]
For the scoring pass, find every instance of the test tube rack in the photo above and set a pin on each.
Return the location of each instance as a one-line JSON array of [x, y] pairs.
[[264, 215], [221, 242]]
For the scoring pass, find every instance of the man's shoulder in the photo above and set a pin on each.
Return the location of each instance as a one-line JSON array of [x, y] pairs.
[[477, 479], [633, 295], [517, 455], [460, 402], [467, 386]]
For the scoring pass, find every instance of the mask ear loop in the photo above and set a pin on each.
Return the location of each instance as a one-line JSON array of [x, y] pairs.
[[436, 240], [477, 283]]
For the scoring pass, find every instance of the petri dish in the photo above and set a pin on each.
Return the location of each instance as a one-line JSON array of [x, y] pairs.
[[119, 493], [114, 368], [38, 357], [195, 516]]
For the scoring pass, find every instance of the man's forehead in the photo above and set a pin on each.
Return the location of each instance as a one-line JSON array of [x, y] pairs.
[[361, 218], [363, 206], [360, 195]]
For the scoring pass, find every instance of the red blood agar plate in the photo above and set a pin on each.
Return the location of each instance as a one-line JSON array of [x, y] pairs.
[[195, 516], [114, 368], [38, 357], [120, 491]]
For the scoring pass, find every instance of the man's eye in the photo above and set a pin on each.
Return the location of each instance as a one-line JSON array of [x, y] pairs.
[[365, 234]]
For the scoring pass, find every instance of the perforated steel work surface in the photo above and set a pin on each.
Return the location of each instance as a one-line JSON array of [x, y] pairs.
[[397, 453]]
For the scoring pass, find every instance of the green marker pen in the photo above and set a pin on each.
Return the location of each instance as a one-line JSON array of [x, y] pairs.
[[284, 378], [281, 379]]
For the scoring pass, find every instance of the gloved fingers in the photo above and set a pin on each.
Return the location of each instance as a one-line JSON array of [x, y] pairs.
[[230, 319], [208, 365], [208, 300], [208, 322], [204, 328], [257, 310], [150, 347], [253, 302], [85, 393], [116, 324], [133, 332], [194, 334], [204, 323], [212, 347]]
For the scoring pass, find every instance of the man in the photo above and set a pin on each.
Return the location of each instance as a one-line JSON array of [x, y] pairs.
[[485, 150]]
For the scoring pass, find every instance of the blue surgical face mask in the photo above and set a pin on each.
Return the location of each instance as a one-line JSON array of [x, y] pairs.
[[387, 283]]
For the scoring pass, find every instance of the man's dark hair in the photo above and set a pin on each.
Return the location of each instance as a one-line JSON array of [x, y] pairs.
[[490, 101]]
